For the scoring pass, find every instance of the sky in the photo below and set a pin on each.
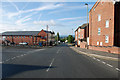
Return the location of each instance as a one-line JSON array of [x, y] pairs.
[[62, 17]]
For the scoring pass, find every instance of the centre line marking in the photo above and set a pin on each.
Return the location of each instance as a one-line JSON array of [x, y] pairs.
[[7, 59], [50, 64], [18, 56], [21, 55]]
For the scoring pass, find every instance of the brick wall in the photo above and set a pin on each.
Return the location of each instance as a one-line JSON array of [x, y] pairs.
[[18, 39], [83, 44], [106, 10], [115, 50]]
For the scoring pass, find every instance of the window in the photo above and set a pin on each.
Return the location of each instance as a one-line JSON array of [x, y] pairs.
[[106, 39], [79, 36], [79, 42], [99, 17], [99, 30], [82, 35], [76, 37], [98, 43], [76, 32], [79, 30], [101, 43], [107, 23]]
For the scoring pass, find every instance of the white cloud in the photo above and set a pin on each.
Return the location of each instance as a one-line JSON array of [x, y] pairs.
[[44, 23], [69, 8], [10, 27], [46, 7], [73, 18], [21, 21], [24, 19]]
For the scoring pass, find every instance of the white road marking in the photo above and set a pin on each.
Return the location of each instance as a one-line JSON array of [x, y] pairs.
[[21, 55], [117, 69], [94, 58], [12, 58], [18, 56], [98, 60], [103, 62], [50, 64], [109, 65], [58, 51], [7, 59]]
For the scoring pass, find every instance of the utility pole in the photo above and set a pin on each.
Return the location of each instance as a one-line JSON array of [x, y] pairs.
[[47, 36]]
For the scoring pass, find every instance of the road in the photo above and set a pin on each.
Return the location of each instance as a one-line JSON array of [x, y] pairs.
[[56, 62]]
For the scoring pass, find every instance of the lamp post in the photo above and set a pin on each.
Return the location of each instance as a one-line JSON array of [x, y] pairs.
[[87, 11], [47, 36], [87, 27]]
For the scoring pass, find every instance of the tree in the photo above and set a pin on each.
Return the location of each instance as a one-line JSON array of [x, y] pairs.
[[70, 39], [62, 40], [58, 37]]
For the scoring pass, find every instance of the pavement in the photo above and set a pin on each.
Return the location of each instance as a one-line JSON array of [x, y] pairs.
[[98, 54], [56, 62]]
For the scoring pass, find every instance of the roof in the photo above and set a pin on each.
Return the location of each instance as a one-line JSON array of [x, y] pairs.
[[83, 26], [30, 33], [97, 2], [22, 33], [49, 32]]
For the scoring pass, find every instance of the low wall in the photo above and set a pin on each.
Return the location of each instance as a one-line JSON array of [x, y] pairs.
[[115, 50], [83, 44]]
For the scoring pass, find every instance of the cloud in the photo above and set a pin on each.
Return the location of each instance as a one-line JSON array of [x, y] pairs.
[[44, 23], [46, 7], [69, 8], [24, 19], [10, 27], [14, 27], [73, 18]]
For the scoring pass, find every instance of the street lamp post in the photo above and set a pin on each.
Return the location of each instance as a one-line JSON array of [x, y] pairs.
[[47, 36], [87, 11], [87, 26]]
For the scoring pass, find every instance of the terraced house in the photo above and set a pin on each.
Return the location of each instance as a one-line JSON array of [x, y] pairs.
[[81, 36], [104, 26], [30, 37]]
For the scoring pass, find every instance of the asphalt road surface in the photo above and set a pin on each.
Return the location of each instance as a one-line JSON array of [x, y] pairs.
[[55, 62]]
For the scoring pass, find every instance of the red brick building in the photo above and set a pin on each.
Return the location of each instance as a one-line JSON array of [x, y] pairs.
[[30, 37], [81, 35], [104, 26]]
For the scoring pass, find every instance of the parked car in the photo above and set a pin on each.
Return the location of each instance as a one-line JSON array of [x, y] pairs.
[[24, 43]]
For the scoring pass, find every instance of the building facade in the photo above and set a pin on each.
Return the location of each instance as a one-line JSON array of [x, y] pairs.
[[104, 26], [81, 35], [30, 37]]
